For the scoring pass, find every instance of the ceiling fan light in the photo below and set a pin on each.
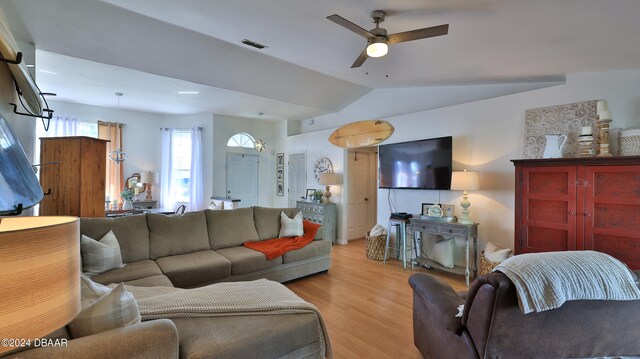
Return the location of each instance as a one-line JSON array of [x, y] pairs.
[[377, 49]]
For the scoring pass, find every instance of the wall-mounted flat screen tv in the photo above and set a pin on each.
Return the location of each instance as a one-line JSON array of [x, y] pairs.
[[423, 164]]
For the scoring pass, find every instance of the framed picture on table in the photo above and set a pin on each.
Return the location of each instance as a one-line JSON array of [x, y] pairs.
[[447, 210], [425, 208], [311, 193]]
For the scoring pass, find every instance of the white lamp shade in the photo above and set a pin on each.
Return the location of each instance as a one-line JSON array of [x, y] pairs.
[[147, 177], [464, 181], [39, 275], [377, 49], [329, 179]]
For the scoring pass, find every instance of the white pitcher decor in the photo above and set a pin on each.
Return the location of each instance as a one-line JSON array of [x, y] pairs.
[[553, 148]]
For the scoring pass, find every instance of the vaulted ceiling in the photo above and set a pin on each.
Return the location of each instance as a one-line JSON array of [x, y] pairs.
[[151, 49]]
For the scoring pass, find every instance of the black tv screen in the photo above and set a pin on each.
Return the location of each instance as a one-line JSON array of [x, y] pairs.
[[423, 164]]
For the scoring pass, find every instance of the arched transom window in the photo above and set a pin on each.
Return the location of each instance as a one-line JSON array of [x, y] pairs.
[[241, 139]]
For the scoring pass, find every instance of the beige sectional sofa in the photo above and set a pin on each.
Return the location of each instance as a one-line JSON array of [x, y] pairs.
[[204, 247], [191, 250]]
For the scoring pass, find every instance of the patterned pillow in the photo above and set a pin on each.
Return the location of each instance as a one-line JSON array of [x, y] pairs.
[[100, 256], [103, 309], [291, 227]]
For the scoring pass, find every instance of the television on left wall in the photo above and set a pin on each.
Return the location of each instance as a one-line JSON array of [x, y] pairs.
[[19, 186]]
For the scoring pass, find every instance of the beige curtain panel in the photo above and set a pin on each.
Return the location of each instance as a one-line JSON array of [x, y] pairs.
[[112, 131]]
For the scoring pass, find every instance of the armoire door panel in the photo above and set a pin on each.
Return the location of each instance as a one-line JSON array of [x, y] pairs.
[[548, 211], [550, 182], [540, 239]]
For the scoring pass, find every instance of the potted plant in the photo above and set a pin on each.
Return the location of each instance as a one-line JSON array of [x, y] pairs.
[[318, 196], [127, 196]]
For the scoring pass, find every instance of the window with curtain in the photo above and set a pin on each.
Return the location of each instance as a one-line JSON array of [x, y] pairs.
[[181, 177], [181, 168]]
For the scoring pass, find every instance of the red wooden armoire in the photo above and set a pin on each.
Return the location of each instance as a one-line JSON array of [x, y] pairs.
[[577, 204]]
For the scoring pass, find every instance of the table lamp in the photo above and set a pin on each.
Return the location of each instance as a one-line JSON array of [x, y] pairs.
[[148, 178], [39, 275], [328, 180], [463, 181]]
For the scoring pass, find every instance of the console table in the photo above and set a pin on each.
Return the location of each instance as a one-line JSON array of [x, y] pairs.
[[322, 213], [466, 232]]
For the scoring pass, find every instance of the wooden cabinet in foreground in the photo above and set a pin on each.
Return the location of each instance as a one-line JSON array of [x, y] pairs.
[[579, 204], [77, 181]]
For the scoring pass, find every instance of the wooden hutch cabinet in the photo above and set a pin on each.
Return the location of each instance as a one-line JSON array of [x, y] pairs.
[[77, 181], [579, 204]]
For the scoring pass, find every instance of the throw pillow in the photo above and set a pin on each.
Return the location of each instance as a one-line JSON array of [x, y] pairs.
[[115, 309], [495, 254], [291, 227], [100, 256], [91, 291], [216, 207], [443, 252]]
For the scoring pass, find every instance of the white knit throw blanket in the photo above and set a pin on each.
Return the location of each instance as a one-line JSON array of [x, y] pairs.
[[545, 281], [257, 297]]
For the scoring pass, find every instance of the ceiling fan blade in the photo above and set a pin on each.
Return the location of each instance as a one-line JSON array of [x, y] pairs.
[[361, 59], [418, 34], [349, 25]]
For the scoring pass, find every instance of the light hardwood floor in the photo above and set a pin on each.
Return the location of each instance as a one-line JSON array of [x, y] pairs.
[[367, 305]]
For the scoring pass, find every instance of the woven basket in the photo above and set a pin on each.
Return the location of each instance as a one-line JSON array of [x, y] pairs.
[[486, 266], [629, 143], [375, 246]]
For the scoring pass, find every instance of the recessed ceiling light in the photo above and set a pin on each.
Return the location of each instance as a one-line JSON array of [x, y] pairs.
[[48, 72], [188, 92]]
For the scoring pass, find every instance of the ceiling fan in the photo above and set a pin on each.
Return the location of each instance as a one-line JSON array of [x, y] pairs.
[[377, 38]]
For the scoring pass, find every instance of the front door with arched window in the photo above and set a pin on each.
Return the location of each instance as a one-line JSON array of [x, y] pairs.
[[242, 169]]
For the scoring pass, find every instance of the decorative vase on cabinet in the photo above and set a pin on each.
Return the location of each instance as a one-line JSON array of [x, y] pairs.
[[127, 205]]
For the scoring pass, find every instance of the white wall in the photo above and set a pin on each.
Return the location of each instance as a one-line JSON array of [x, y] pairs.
[[226, 126], [316, 145], [486, 134], [140, 136], [142, 142]]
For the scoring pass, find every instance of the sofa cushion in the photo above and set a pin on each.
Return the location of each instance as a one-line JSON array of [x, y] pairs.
[[99, 256], [267, 220], [251, 336], [131, 271], [177, 234], [153, 281], [230, 228], [131, 231], [195, 269], [312, 250], [245, 260]]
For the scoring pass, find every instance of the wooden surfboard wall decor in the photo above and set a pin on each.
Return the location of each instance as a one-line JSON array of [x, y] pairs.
[[361, 134], [9, 50]]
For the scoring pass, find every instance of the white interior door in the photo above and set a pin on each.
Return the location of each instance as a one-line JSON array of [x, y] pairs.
[[361, 193], [297, 178], [242, 178]]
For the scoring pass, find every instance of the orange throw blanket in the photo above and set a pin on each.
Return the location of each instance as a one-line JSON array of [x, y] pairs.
[[273, 248]]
